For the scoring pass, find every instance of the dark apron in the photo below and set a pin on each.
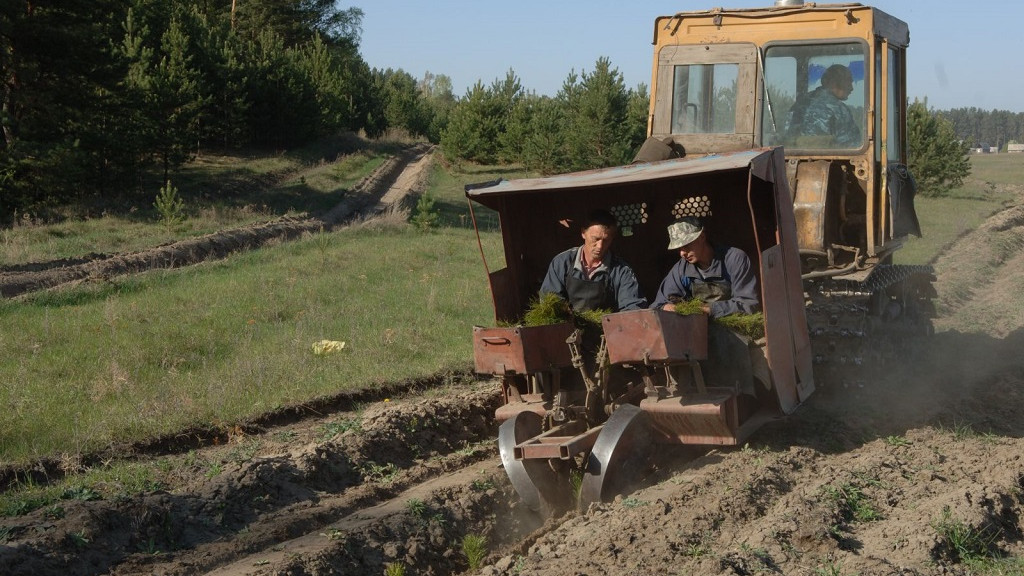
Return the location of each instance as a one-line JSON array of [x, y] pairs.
[[728, 352], [713, 291], [587, 295]]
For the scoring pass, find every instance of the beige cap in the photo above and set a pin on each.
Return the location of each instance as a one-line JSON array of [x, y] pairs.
[[683, 232]]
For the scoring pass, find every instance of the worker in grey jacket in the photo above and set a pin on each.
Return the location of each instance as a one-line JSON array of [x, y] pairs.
[[721, 277], [590, 277]]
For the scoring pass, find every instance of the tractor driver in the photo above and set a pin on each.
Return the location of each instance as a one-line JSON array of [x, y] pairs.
[[719, 276], [590, 277], [821, 117]]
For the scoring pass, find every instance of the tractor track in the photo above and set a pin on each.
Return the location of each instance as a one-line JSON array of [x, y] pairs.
[[387, 186]]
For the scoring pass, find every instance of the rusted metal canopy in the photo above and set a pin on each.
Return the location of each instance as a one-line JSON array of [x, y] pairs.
[[758, 161]]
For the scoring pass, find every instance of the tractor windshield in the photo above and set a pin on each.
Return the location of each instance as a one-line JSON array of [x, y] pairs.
[[704, 98], [815, 96]]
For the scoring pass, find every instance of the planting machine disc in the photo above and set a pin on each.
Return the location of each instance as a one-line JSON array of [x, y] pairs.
[[619, 456], [533, 479]]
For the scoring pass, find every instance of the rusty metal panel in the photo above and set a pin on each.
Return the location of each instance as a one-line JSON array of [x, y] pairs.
[[793, 296], [655, 335], [710, 419], [778, 329], [810, 183], [531, 403], [619, 175], [563, 442], [504, 295], [521, 349]]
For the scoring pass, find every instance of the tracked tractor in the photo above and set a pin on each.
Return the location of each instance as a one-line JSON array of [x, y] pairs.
[[726, 80], [820, 218]]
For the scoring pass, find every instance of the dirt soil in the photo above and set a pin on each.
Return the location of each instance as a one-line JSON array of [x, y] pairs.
[[864, 478]]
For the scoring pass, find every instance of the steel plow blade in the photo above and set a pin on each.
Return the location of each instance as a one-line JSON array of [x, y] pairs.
[[534, 480], [620, 455]]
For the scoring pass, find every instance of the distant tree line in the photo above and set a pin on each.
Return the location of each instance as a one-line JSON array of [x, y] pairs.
[[993, 128], [594, 121]]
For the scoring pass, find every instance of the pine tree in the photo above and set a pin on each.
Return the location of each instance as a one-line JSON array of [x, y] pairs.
[[937, 158], [57, 86], [597, 111], [478, 121], [332, 102], [544, 143], [440, 101]]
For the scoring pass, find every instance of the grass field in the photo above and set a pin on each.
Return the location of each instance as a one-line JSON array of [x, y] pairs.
[[224, 341], [985, 191], [221, 342]]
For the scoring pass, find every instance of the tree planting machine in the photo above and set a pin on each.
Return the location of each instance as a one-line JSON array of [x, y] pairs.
[[819, 219]]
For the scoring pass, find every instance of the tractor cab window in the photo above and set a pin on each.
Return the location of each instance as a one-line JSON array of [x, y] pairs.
[[815, 96], [704, 98]]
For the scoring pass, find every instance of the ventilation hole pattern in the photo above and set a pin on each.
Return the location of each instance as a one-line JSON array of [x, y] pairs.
[[698, 206], [630, 214]]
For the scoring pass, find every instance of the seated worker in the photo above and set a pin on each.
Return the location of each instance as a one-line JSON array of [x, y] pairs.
[[820, 118], [590, 277], [719, 276]]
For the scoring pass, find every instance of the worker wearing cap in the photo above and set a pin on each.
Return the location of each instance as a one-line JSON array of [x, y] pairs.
[[719, 276]]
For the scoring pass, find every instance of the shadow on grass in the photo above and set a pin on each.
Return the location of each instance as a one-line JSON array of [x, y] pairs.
[[87, 294], [298, 197], [457, 215], [233, 179], [455, 212]]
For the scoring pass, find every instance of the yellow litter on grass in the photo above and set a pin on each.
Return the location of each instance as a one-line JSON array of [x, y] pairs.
[[327, 346]]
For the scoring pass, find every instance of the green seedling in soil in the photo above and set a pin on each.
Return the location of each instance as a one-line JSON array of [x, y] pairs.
[[474, 548], [963, 542], [170, 206], [416, 507], [83, 493], [426, 216], [55, 512], [482, 485], [384, 474], [897, 441], [332, 429], [78, 539], [245, 451], [634, 502], [698, 548], [150, 547], [853, 504], [394, 569], [214, 470], [829, 568]]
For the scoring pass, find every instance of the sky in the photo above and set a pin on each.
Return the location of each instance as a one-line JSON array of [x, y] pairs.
[[962, 53]]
